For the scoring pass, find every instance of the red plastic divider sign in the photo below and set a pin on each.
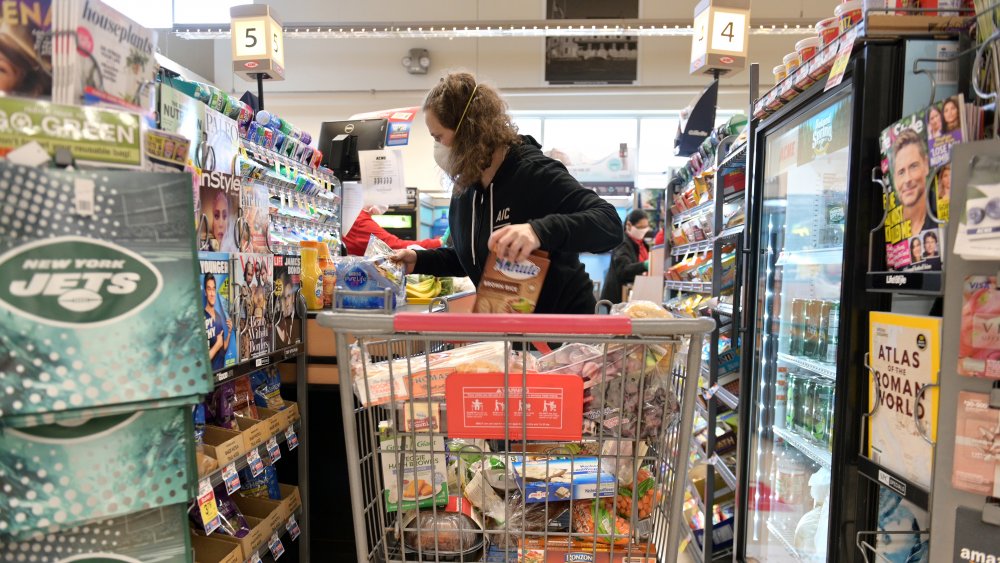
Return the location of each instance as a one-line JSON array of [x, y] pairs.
[[551, 409]]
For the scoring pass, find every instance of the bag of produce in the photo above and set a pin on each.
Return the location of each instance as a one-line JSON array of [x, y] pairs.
[[597, 520]]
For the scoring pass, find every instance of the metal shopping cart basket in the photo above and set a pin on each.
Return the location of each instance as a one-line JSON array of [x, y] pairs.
[[511, 438]]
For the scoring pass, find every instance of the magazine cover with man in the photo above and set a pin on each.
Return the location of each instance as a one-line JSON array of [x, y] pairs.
[[916, 164], [216, 297]]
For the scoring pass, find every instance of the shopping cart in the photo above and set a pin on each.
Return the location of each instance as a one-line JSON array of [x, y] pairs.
[[433, 478]]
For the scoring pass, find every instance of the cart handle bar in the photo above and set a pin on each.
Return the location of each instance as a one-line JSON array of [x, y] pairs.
[[513, 324]]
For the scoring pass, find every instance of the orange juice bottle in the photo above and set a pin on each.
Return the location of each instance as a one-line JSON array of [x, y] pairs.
[[328, 268], [312, 275]]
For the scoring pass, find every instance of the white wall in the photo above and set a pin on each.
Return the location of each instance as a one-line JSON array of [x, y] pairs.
[[333, 79]]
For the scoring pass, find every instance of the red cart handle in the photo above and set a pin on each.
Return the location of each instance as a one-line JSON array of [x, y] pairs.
[[513, 324]]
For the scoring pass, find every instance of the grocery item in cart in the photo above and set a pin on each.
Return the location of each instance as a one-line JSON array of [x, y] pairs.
[[561, 550], [378, 383], [531, 519], [454, 532], [414, 471], [511, 287], [644, 493], [597, 521], [563, 479], [372, 272]]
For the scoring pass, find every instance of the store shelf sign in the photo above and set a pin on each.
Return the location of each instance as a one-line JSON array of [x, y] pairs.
[[719, 42], [257, 42]]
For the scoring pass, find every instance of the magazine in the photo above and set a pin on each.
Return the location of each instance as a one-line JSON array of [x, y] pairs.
[[287, 282], [220, 328], [255, 218], [904, 355], [113, 63], [254, 277], [916, 165], [896, 514], [977, 445], [219, 211], [26, 48]]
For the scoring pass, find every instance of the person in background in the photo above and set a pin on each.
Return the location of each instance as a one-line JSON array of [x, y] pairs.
[[630, 259], [510, 199], [661, 235], [364, 226]]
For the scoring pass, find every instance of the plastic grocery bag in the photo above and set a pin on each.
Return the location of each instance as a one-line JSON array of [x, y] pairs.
[[375, 271]]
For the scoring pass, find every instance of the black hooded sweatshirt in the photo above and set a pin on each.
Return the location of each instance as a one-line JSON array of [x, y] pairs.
[[532, 188]]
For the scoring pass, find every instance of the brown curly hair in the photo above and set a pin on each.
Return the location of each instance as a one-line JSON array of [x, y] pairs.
[[485, 128]]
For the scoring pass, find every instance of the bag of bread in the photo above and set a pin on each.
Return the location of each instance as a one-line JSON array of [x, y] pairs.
[[511, 287]]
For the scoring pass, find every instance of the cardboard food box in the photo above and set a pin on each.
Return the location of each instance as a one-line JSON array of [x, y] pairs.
[[269, 511], [255, 432], [511, 287], [274, 421], [424, 471], [213, 550], [563, 479], [291, 501], [224, 445], [561, 550]]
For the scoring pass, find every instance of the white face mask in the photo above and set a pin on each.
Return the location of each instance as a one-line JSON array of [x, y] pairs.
[[637, 233], [442, 156]]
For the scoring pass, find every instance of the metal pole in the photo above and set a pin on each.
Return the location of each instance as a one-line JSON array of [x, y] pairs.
[[302, 397], [351, 442], [260, 94]]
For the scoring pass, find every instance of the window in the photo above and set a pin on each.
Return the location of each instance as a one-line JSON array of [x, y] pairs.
[[154, 15]]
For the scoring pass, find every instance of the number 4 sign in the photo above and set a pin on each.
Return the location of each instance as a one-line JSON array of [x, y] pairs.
[[720, 36]]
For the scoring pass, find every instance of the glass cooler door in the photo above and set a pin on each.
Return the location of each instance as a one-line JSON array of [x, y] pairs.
[[799, 293]]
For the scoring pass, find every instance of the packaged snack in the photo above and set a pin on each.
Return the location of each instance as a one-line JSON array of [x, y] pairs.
[[532, 518], [264, 485], [243, 401], [563, 479], [508, 287], [373, 272], [232, 521], [645, 494], [266, 386], [231, 399], [640, 310]]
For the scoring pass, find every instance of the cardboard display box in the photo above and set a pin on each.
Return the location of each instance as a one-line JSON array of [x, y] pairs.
[[213, 550], [224, 445]]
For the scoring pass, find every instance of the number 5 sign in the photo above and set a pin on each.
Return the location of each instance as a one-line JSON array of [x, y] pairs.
[[721, 28], [257, 42]]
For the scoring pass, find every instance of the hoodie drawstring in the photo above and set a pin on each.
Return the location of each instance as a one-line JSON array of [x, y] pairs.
[[472, 233]]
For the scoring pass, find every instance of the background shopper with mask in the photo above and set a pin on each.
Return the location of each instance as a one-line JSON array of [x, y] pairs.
[[509, 198], [630, 259], [356, 239]]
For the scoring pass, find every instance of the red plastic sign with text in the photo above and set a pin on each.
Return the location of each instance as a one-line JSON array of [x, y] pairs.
[[551, 409]]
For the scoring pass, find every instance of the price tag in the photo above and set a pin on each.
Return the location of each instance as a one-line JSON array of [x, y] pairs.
[[274, 544], [83, 191], [255, 558], [293, 528], [231, 478], [843, 57], [273, 449], [206, 505], [256, 464], [291, 438]]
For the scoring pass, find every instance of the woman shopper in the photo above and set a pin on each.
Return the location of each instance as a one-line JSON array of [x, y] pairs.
[[630, 259], [509, 198]]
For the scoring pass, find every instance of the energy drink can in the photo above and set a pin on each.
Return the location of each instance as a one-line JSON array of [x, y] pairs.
[[218, 100], [279, 141], [317, 158], [202, 93], [253, 132], [267, 138], [793, 402], [807, 404], [813, 323], [832, 333], [797, 327], [306, 138], [822, 411]]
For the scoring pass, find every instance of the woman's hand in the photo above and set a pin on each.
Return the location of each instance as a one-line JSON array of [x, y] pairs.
[[407, 257], [514, 242]]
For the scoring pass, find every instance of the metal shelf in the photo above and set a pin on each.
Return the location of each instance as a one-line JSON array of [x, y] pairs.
[[700, 246], [812, 257], [255, 364], [269, 157], [689, 213], [812, 451], [731, 232], [737, 157], [725, 309], [694, 287], [827, 371], [778, 533], [902, 486], [729, 194], [724, 472], [727, 398]]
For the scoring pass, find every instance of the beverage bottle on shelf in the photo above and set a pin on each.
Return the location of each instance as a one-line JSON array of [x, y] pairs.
[[312, 275], [781, 396], [791, 486], [329, 269], [822, 411], [811, 328], [797, 327], [793, 401], [832, 333], [804, 428]]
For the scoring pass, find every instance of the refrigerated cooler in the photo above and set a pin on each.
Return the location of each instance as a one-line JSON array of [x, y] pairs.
[[811, 211]]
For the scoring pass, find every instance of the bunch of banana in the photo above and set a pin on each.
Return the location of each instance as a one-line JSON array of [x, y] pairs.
[[422, 287]]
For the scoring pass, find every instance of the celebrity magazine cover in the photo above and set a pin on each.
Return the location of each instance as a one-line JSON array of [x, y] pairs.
[[287, 282], [254, 278], [220, 327]]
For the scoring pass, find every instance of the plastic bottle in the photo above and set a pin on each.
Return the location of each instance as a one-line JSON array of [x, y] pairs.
[[791, 486], [329, 269], [312, 275], [780, 396], [439, 226]]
